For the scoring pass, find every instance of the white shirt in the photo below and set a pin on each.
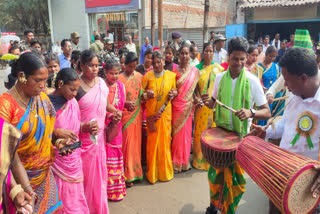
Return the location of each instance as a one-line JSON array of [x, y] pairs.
[[194, 62], [220, 57], [7, 73], [264, 48], [257, 95], [56, 50], [132, 47], [286, 128]]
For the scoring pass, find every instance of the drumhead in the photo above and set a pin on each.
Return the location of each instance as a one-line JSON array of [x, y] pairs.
[[220, 139], [297, 195]]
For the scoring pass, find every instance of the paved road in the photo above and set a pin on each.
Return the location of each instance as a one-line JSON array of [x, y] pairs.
[[187, 193]]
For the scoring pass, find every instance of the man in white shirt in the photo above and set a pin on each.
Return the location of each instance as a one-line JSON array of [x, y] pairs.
[[220, 54], [266, 43], [299, 128], [276, 42], [240, 90], [131, 46]]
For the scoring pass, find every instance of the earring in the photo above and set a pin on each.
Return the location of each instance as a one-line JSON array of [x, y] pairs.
[[23, 79], [61, 82]]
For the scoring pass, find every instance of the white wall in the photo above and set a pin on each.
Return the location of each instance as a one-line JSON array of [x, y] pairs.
[[69, 16]]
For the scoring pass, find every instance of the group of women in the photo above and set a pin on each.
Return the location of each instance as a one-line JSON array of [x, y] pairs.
[[107, 116]]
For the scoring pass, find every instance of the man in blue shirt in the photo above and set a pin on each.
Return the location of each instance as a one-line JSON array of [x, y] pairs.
[[281, 51], [65, 57], [143, 49]]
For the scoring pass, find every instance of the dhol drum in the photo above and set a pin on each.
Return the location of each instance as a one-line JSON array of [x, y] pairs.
[[219, 147], [284, 176]]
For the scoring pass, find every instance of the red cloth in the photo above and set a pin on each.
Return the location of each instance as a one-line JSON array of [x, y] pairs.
[[225, 65]]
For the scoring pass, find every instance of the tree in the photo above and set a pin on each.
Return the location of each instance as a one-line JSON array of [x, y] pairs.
[[19, 15]]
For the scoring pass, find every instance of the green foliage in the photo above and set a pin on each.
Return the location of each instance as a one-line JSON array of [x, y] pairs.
[[17, 15]]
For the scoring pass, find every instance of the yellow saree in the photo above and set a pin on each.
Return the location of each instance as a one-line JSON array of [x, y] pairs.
[[203, 117], [159, 162]]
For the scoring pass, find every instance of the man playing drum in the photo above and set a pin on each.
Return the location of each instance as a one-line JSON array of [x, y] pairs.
[[299, 128], [240, 90]]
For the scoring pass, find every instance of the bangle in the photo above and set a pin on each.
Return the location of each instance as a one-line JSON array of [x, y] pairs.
[[27, 187], [33, 194], [15, 191], [57, 143]]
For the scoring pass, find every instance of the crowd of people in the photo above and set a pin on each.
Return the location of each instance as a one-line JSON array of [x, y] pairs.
[[91, 119]]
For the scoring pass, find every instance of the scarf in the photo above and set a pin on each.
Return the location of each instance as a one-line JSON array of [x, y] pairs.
[[242, 93]]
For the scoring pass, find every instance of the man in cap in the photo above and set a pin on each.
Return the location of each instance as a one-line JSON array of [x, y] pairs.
[[176, 43], [75, 38], [97, 46], [107, 53], [220, 54]]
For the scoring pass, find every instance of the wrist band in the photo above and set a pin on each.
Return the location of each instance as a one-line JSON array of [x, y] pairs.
[[15, 191], [24, 188], [57, 143]]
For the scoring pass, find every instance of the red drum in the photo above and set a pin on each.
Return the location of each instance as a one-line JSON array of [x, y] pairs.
[[219, 147], [284, 176]]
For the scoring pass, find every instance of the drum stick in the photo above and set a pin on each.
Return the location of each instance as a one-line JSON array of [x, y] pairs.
[[280, 98], [224, 106]]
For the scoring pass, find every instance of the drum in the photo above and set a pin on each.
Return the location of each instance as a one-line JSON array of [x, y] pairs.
[[284, 176], [219, 147]]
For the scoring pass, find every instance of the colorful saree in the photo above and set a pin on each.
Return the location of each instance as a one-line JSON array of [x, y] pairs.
[[67, 170], [182, 114], [116, 181], [256, 70], [270, 75], [159, 162], [93, 105], [9, 140], [35, 149], [203, 118], [131, 129]]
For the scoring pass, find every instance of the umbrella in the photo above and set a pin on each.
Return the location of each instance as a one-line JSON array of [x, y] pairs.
[[9, 57]]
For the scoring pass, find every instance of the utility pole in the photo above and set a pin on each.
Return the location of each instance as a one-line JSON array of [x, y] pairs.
[[153, 24], [160, 25], [205, 20]]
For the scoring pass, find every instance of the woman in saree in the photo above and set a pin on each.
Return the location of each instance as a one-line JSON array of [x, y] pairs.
[[204, 116], [251, 63], [92, 99], [271, 73], [30, 110], [67, 170], [169, 64], [159, 89], [132, 121], [182, 111], [117, 97]]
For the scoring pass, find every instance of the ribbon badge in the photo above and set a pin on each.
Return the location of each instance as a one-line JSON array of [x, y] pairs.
[[306, 126]]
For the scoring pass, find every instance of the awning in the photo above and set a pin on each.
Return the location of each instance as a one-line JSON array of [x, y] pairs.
[[274, 3]]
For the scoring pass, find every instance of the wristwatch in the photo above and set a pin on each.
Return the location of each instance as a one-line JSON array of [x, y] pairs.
[[253, 112]]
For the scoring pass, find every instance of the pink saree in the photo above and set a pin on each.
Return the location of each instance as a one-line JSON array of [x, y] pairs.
[[93, 105], [182, 114], [116, 181], [67, 170]]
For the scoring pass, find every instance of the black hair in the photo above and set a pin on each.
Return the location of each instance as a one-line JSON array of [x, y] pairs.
[[299, 61], [169, 43], [131, 57], [51, 57], [26, 32], [66, 75], [266, 36], [123, 55], [63, 42], [35, 41], [270, 50], [15, 41], [251, 42], [157, 54], [192, 48], [238, 43], [260, 45], [110, 64], [286, 41], [27, 63], [123, 50], [205, 45], [184, 45], [252, 48], [211, 32], [14, 47], [148, 51], [87, 55], [172, 49], [193, 43], [75, 55]]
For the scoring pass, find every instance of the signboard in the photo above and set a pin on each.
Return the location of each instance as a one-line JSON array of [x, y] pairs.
[[8, 33], [115, 17], [100, 6]]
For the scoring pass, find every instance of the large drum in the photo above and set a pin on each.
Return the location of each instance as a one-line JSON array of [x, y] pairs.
[[284, 176], [219, 147]]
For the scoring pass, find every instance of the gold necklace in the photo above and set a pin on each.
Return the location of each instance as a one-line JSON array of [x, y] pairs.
[[88, 84], [19, 97]]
